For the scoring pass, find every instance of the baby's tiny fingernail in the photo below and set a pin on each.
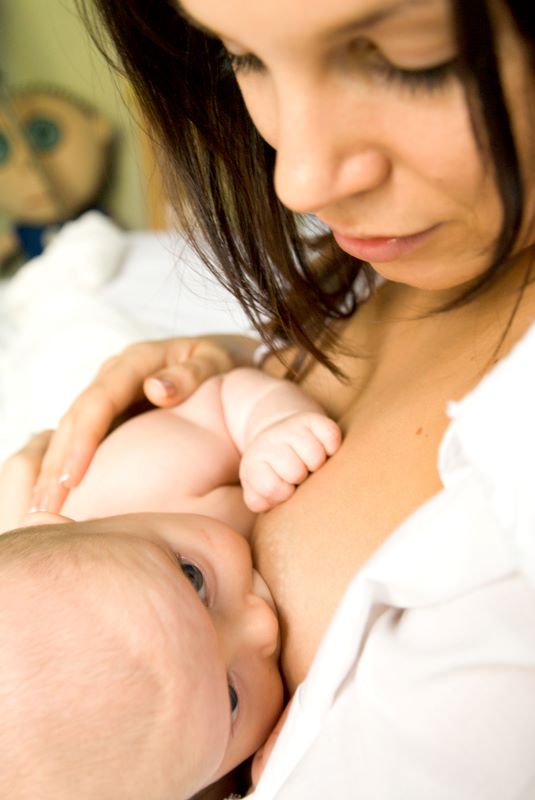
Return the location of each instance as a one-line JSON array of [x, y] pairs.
[[163, 385]]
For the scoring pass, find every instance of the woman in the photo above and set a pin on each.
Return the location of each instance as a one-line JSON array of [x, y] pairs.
[[405, 129]]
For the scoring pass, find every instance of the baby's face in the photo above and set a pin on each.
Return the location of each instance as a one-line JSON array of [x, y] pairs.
[[198, 574]]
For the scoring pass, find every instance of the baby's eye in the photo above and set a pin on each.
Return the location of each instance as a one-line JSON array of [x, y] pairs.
[[233, 696], [195, 577]]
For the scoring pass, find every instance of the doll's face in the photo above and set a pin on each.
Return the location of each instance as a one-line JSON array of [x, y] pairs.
[[53, 156]]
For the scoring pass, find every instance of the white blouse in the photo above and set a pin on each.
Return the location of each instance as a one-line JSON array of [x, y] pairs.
[[424, 685]]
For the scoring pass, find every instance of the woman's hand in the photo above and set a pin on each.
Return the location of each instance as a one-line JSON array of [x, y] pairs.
[[166, 372], [17, 478]]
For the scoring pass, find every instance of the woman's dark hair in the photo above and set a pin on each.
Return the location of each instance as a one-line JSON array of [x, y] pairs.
[[220, 172]]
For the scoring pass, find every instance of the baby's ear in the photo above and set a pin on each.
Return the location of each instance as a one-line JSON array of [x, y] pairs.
[[43, 518]]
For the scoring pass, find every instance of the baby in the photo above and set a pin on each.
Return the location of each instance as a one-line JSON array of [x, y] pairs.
[[139, 652]]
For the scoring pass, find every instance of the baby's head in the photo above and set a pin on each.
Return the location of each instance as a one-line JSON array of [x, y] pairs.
[[138, 659]]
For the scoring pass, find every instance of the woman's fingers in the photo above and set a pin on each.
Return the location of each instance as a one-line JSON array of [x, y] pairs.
[[189, 368], [117, 384], [17, 479], [168, 371]]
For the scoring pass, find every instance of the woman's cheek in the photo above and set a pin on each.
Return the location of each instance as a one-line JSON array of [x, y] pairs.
[[259, 97]]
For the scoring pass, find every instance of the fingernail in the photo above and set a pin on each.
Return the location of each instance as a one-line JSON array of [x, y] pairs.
[[35, 502], [39, 502], [65, 478], [163, 385]]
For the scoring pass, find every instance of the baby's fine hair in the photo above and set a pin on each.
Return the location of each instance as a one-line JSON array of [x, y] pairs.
[[80, 703]]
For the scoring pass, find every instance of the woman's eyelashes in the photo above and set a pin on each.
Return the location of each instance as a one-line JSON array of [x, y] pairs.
[[364, 57], [234, 64], [428, 79], [195, 577]]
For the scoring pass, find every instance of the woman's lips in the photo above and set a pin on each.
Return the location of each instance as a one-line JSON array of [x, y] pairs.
[[381, 248]]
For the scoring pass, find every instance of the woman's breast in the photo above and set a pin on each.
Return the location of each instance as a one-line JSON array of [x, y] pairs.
[[309, 548]]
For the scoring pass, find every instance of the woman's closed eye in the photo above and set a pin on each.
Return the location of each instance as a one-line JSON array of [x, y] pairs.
[[364, 55], [195, 577], [360, 54], [428, 79], [234, 63]]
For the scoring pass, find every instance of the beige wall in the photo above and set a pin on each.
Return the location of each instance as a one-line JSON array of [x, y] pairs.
[[43, 41]]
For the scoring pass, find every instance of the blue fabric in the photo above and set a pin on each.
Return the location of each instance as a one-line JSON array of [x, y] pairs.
[[31, 239]]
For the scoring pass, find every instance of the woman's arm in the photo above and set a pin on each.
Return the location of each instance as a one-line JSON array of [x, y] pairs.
[[166, 372]]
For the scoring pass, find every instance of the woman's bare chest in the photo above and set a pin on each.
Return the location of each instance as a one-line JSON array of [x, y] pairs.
[[309, 548], [393, 414]]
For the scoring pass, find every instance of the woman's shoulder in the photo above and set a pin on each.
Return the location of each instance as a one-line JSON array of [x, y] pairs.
[[492, 430], [492, 435]]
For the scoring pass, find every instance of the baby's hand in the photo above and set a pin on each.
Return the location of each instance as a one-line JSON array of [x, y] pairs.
[[283, 455]]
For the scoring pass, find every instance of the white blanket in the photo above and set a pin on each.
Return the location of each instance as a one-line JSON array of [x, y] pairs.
[[93, 291]]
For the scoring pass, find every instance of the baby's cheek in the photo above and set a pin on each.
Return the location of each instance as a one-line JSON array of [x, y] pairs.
[[258, 764], [262, 755]]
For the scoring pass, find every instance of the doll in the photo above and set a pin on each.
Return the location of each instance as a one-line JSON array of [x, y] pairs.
[[54, 157]]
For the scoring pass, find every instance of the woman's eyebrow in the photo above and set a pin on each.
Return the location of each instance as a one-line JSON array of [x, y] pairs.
[[364, 23], [193, 22], [375, 17]]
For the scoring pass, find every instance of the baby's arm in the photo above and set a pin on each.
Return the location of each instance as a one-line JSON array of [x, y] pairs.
[[180, 459], [282, 433], [187, 458]]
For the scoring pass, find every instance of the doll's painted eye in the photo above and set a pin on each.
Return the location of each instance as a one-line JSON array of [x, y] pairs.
[[195, 577], [43, 134], [4, 149], [233, 697]]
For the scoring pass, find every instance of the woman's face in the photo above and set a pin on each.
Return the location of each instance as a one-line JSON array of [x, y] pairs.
[[361, 102]]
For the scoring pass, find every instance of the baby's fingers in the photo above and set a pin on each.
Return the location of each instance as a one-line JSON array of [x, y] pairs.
[[263, 488], [327, 434], [313, 438]]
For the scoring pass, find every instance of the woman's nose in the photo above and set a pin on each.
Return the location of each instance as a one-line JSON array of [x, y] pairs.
[[324, 156]]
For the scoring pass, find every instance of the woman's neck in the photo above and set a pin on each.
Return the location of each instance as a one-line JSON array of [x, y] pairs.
[[411, 302]]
